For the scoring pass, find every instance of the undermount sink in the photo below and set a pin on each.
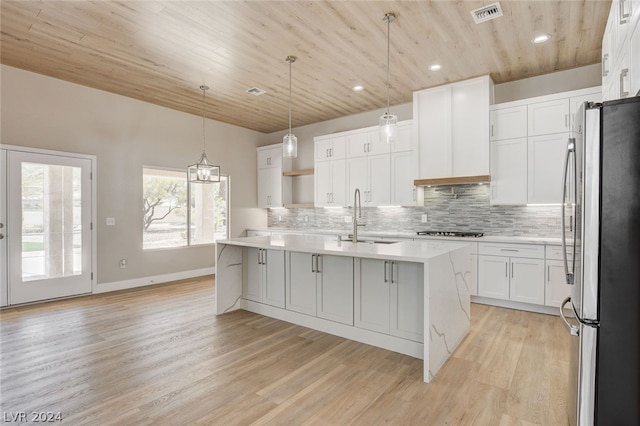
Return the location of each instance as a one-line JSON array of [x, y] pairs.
[[350, 240]]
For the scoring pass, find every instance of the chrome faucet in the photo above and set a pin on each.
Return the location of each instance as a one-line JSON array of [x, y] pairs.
[[357, 214]]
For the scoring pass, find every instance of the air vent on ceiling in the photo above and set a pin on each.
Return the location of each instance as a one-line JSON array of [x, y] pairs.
[[487, 13], [256, 91]]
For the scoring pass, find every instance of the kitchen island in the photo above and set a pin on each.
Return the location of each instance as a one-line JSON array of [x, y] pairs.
[[408, 297]]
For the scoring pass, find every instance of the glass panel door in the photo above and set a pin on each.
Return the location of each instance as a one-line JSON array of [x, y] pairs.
[[49, 226]]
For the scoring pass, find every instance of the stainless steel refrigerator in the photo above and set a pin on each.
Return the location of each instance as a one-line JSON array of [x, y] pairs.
[[601, 241]]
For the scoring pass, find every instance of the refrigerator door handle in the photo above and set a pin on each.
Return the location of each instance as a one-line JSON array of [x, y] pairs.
[[571, 150], [572, 329]]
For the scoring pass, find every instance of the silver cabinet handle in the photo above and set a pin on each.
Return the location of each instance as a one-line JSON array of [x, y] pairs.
[[566, 120], [385, 271], [327, 197], [514, 250], [512, 268], [392, 281], [506, 269], [548, 273], [624, 73], [312, 259], [624, 16], [605, 63], [317, 263], [364, 147], [414, 193], [264, 256], [327, 153], [492, 130], [369, 147]]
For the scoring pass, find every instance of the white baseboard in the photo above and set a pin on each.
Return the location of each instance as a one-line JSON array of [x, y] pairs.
[[151, 280], [540, 309]]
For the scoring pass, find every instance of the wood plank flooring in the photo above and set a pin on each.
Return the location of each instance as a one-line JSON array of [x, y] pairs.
[[159, 355]]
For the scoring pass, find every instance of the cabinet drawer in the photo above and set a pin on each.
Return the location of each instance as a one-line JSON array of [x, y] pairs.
[[555, 252], [533, 251]]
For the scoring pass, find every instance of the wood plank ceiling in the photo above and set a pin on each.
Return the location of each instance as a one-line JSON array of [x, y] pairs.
[[162, 51]]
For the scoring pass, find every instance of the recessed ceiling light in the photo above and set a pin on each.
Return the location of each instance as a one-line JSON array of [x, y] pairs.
[[540, 39], [358, 88], [435, 67]]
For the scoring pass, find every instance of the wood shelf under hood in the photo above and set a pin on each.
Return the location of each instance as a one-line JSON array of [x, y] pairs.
[[460, 180]]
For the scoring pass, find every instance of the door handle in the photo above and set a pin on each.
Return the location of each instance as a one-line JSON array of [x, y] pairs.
[[572, 329], [571, 151]]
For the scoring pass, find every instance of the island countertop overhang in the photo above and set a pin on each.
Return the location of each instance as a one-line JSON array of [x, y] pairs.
[[407, 251]]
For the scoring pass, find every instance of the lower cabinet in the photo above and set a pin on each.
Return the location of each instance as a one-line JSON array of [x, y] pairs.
[[506, 272], [556, 287], [389, 297], [263, 276], [320, 285]]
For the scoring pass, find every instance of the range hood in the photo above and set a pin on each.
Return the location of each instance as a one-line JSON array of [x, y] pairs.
[[457, 180]]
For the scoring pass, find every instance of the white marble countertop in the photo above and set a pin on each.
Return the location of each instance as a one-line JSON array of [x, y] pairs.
[[408, 251], [412, 235]]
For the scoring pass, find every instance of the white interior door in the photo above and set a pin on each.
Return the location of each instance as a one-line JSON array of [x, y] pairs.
[[48, 226]]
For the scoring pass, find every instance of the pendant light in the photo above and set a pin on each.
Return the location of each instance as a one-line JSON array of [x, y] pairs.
[[203, 171], [290, 141], [388, 120]]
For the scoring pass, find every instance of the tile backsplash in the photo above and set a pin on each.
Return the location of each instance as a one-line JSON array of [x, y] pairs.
[[448, 208]]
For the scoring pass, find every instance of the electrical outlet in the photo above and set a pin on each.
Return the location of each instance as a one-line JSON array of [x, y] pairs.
[[347, 219], [123, 263], [279, 218], [111, 221], [306, 218], [424, 218]]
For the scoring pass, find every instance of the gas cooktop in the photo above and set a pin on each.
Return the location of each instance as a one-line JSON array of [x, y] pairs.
[[451, 233]]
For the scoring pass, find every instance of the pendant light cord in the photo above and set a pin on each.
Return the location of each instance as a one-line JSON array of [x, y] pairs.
[[290, 62], [388, 59], [204, 106]]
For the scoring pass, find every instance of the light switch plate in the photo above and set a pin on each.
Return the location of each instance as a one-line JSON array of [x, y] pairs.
[[111, 221], [424, 218]]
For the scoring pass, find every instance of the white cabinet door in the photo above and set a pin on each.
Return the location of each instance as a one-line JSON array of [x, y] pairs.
[[269, 157], [335, 288], [432, 116], [338, 183], [634, 56], [407, 300], [403, 141], [301, 283], [556, 287], [357, 177], [379, 177], [548, 117], [508, 123], [371, 294], [251, 274], [269, 187], [470, 128], [357, 144], [402, 189], [376, 145], [545, 168], [273, 278], [493, 277], [322, 177], [509, 172], [323, 149], [527, 280]]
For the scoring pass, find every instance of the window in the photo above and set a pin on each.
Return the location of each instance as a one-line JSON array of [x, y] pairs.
[[176, 214]]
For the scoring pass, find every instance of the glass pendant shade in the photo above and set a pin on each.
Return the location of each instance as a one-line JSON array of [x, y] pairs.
[[290, 146], [388, 127], [388, 120], [203, 171], [290, 141]]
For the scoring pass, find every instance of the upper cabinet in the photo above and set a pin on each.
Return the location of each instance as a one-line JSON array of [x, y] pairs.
[[273, 189], [621, 51], [383, 173], [528, 143], [451, 124]]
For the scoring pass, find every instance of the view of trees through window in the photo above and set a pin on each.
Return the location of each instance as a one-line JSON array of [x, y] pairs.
[[178, 214]]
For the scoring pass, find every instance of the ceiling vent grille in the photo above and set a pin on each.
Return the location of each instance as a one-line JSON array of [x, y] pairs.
[[487, 13], [256, 91]]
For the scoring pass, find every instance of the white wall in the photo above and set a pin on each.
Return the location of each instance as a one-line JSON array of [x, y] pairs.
[[125, 135]]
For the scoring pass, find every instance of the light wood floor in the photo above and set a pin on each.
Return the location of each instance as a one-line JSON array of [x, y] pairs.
[[159, 355]]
